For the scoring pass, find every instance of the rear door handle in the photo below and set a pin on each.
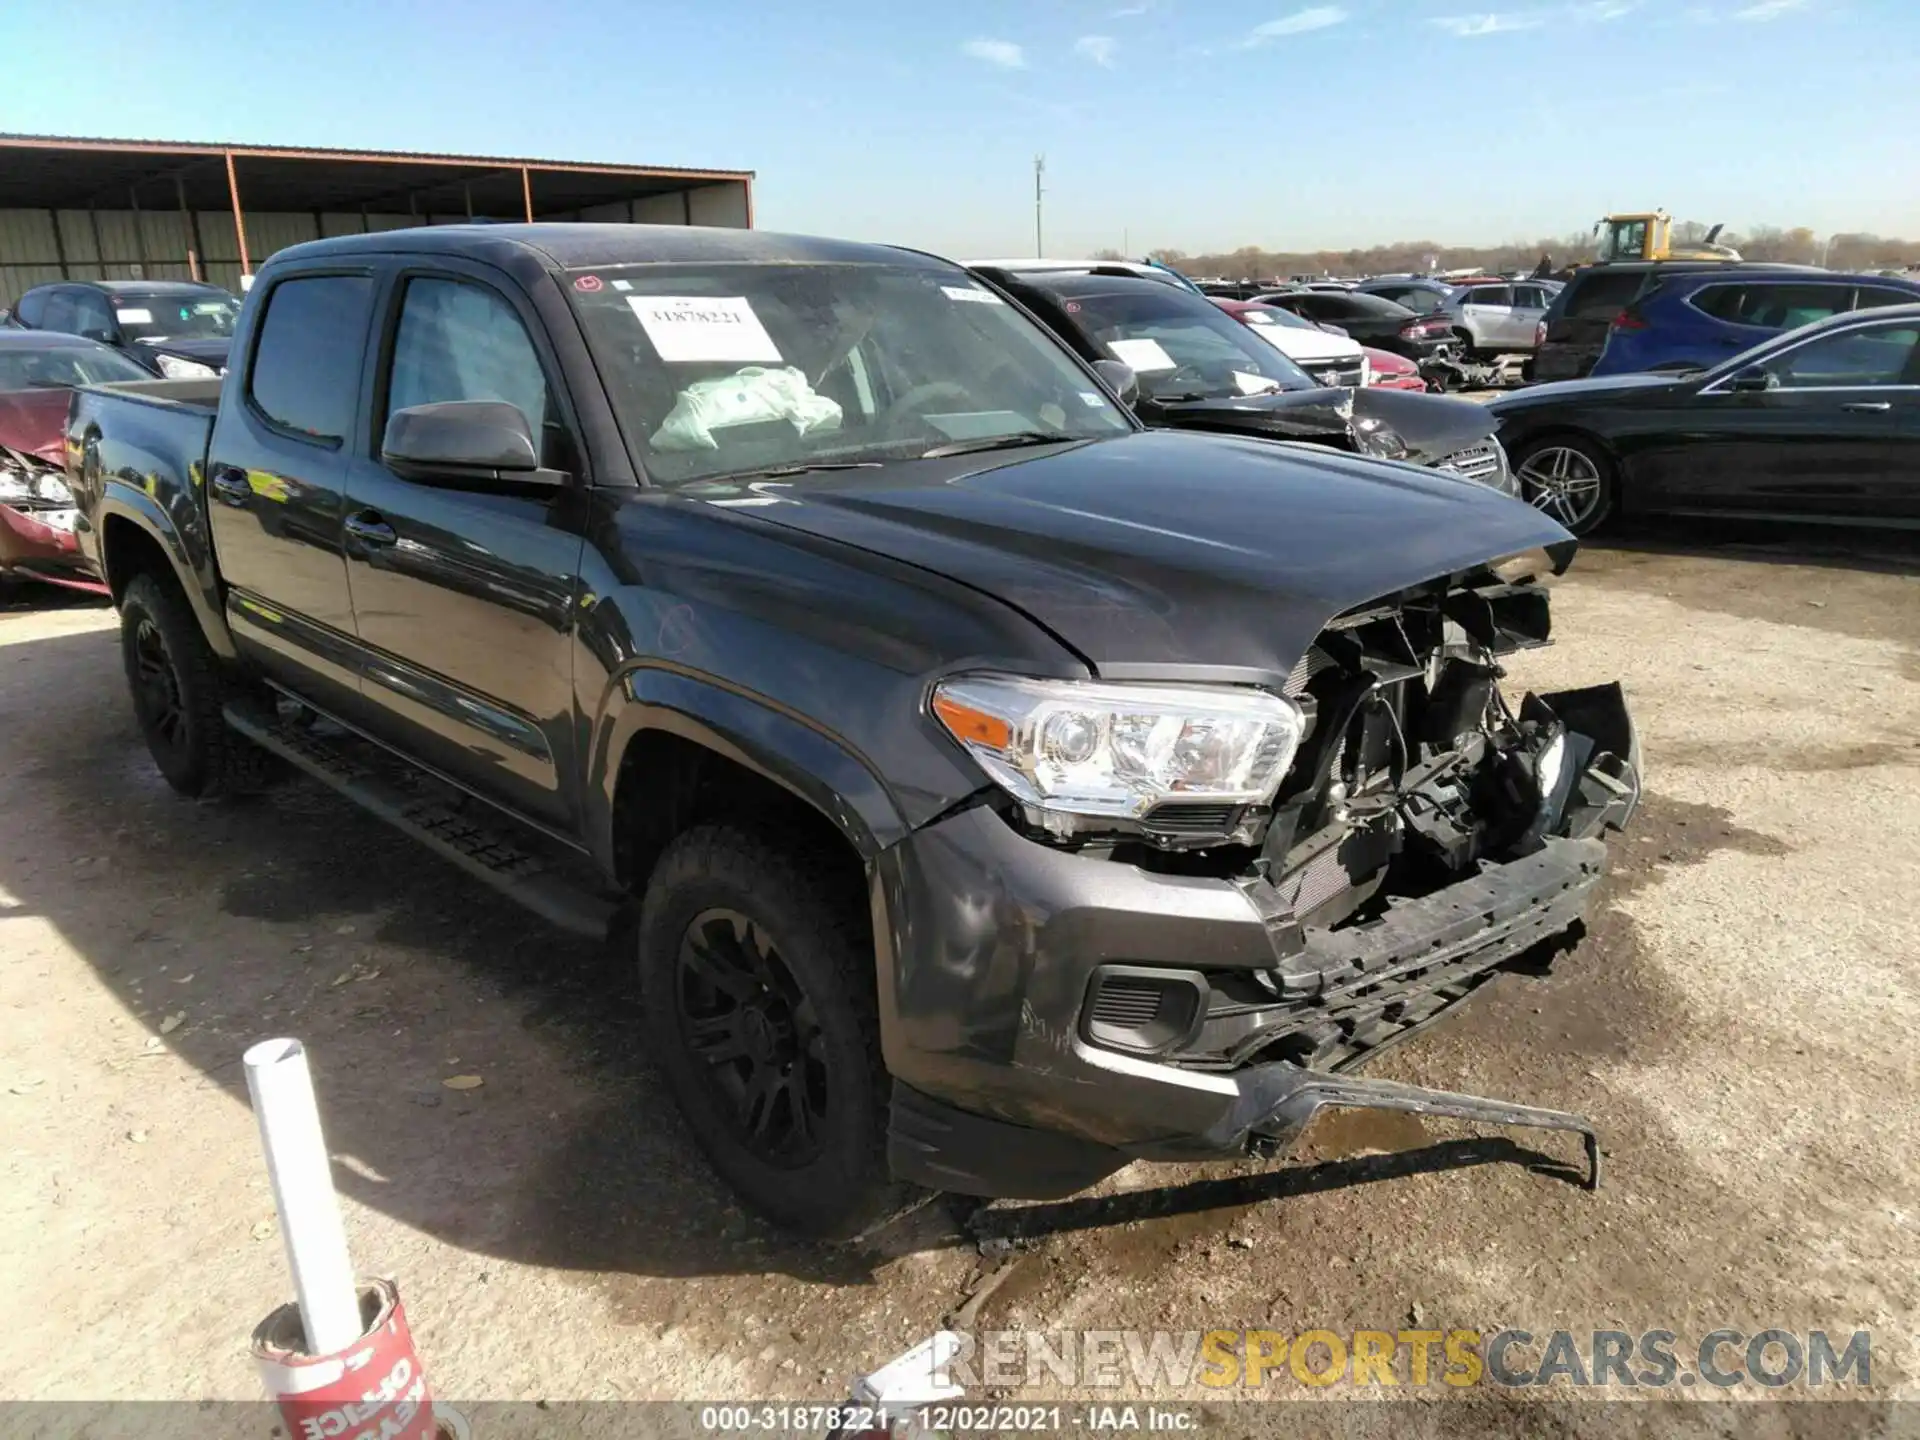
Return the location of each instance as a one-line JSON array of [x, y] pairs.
[[230, 486], [1861, 406], [369, 529]]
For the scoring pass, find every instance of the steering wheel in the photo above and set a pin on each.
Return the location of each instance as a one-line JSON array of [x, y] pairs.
[[932, 390]]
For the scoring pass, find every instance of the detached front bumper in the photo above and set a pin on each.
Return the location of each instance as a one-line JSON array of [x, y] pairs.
[[996, 952]]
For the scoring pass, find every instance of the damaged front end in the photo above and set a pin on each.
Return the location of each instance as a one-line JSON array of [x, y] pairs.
[[1428, 836], [38, 515]]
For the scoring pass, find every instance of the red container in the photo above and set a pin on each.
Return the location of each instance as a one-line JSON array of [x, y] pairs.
[[374, 1388]]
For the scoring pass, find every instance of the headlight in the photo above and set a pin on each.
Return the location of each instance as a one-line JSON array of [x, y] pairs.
[[1068, 748], [1553, 759], [22, 484], [1380, 439], [174, 368]]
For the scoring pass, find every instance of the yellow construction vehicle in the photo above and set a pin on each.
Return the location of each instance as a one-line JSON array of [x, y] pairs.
[[1649, 236]]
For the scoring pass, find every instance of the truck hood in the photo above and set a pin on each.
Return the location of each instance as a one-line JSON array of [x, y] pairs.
[[1166, 553], [34, 422]]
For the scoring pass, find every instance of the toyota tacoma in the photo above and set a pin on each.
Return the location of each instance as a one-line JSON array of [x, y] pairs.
[[988, 791]]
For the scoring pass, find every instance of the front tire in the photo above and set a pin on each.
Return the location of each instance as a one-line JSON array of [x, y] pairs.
[[179, 692], [1569, 478], [759, 996]]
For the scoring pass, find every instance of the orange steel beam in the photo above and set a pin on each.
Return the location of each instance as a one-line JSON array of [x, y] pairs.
[[239, 224]]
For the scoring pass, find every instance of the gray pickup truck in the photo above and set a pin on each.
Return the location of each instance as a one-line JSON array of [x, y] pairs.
[[989, 791]]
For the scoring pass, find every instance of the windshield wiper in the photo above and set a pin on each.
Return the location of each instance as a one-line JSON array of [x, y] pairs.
[[804, 467], [996, 442]]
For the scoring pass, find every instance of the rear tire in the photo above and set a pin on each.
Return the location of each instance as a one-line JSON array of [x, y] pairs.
[[1568, 478], [758, 988], [179, 691]]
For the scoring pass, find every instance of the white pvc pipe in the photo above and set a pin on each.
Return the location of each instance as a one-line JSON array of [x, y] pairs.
[[282, 1090]]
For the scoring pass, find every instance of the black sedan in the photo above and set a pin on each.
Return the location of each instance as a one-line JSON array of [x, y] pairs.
[[177, 329], [1371, 319], [1820, 424], [1197, 368]]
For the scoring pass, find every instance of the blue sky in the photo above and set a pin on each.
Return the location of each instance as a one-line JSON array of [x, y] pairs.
[[1199, 124]]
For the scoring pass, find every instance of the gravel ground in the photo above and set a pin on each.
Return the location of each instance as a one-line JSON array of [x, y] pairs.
[[1739, 1023]]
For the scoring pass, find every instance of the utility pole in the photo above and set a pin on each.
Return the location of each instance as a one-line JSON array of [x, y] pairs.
[[1039, 169]]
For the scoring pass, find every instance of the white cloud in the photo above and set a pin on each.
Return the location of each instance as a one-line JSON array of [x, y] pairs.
[[1316, 17], [1097, 48], [1490, 23], [1004, 53], [1604, 10], [1769, 9]]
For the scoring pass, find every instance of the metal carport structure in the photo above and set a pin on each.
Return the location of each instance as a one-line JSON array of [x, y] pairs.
[[73, 208]]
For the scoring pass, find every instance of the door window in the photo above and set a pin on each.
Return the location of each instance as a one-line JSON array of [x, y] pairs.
[[1530, 297], [60, 313], [1857, 359], [459, 341], [1489, 295], [1872, 297], [32, 306], [1788, 307], [306, 361], [92, 315]]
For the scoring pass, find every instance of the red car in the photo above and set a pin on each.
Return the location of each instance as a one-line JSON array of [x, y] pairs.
[[38, 370], [1393, 372]]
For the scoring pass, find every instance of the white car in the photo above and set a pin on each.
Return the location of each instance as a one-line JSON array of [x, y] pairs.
[[1499, 319], [1329, 357]]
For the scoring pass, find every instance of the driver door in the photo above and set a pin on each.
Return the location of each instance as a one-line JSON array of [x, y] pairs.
[[463, 590]]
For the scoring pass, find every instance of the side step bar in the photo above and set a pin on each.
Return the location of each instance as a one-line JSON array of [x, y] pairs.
[[487, 855]]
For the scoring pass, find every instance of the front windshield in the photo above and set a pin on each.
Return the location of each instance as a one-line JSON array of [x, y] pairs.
[[144, 316], [1623, 240], [1182, 347], [725, 369], [59, 367]]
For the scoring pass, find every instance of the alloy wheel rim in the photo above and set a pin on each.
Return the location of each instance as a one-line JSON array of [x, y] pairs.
[[1562, 482], [745, 1018], [156, 685]]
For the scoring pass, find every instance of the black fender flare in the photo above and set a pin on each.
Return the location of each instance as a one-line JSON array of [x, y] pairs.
[[192, 564], [792, 751]]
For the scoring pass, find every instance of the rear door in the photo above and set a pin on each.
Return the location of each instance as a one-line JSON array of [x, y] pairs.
[[275, 473], [463, 591], [1529, 307], [1486, 309]]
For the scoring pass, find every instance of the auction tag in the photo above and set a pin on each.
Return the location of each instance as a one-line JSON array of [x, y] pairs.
[[134, 317], [968, 292], [1254, 384], [1145, 356], [700, 327]]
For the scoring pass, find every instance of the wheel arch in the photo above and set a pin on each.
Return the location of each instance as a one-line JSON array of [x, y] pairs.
[[138, 537]]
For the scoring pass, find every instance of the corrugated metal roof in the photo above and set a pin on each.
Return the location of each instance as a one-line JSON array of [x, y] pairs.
[[294, 152]]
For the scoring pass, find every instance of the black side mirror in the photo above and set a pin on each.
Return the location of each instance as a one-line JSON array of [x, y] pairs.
[[1120, 379], [1753, 378], [455, 440]]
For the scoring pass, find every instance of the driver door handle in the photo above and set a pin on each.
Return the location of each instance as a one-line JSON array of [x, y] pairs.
[[230, 485], [1862, 406], [368, 528]]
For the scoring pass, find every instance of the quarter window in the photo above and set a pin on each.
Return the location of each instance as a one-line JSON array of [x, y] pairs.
[[306, 363]]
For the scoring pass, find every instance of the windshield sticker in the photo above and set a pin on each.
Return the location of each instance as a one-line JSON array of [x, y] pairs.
[[1145, 356], [623, 284], [1092, 399], [1254, 384], [210, 307], [967, 292], [700, 327], [586, 284], [134, 317]]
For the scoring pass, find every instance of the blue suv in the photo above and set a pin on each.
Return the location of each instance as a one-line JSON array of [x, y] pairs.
[[1701, 317]]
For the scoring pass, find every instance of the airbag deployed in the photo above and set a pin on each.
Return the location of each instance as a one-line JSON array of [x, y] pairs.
[[750, 396]]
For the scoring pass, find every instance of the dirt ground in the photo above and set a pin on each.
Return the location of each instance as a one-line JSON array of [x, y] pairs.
[[1739, 1022]]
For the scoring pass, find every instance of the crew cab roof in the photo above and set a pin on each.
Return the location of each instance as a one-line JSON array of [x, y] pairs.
[[1098, 281], [571, 246]]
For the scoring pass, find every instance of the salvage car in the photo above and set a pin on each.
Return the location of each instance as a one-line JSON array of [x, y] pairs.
[[37, 512], [987, 790], [1194, 368], [176, 329], [1393, 372], [1499, 318], [1329, 356], [1371, 319], [1821, 424]]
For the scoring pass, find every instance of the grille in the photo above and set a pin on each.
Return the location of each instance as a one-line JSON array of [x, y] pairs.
[[1315, 882], [1127, 1004], [1311, 664], [1480, 462], [1349, 373]]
